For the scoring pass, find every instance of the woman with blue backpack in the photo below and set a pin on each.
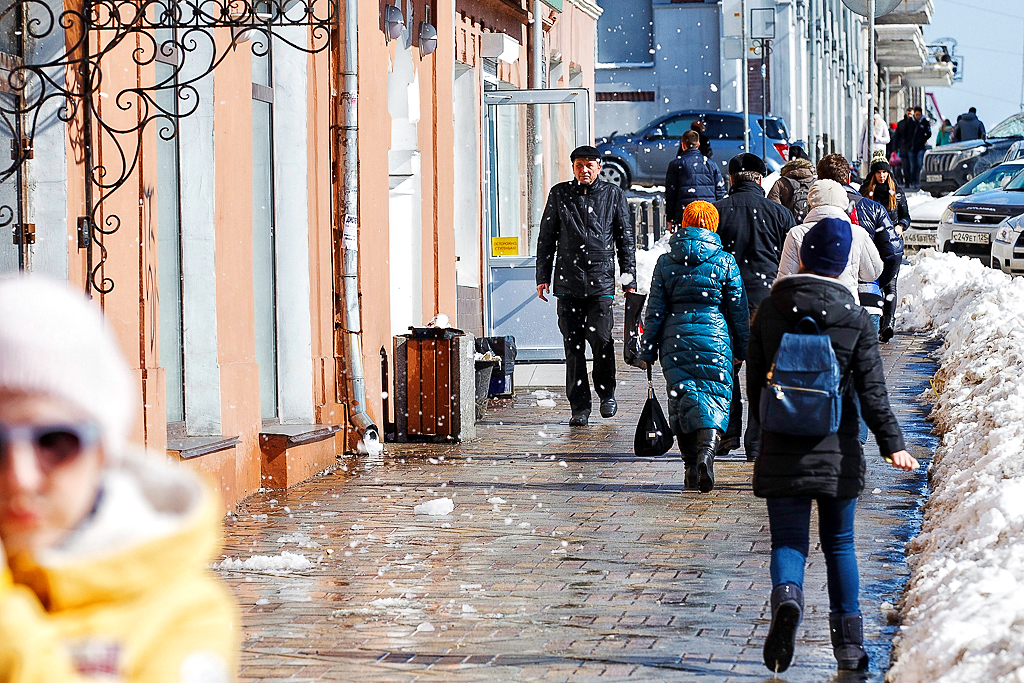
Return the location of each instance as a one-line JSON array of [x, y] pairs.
[[697, 321], [814, 368]]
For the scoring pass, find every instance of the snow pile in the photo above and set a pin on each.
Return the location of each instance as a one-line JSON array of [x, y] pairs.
[[370, 444], [646, 260], [285, 562], [436, 507], [963, 611]]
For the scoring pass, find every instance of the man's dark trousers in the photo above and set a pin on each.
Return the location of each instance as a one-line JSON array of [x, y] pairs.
[[582, 320]]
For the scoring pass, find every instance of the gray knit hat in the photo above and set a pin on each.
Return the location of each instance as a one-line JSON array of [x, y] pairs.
[[54, 341]]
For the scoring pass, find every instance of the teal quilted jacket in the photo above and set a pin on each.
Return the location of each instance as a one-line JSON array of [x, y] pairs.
[[697, 323]]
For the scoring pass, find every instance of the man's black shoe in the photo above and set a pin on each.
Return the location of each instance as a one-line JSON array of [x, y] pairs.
[[886, 334], [609, 407], [729, 443], [579, 418]]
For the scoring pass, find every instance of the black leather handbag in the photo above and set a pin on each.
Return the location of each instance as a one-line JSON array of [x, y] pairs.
[[631, 348], [653, 435]]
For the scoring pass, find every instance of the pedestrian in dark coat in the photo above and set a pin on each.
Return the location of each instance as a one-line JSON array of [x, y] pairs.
[[753, 229], [586, 222], [792, 470], [968, 127], [697, 323], [874, 218], [691, 177], [705, 141]]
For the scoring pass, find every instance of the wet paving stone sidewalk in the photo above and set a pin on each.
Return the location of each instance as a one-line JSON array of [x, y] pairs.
[[566, 557]]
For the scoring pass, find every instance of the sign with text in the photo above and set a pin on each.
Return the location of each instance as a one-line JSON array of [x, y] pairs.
[[504, 246]]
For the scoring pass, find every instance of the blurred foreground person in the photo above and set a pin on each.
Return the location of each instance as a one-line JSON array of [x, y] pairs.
[[697, 319], [812, 361], [103, 571]]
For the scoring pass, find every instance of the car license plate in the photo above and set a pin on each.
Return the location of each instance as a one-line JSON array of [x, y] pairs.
[[933, 178], [921, 238], [970, 237]]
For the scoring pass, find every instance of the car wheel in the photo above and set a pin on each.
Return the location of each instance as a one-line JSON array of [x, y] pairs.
[[615, 173]]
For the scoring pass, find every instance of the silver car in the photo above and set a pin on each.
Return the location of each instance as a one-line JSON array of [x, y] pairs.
[[1008, 246]]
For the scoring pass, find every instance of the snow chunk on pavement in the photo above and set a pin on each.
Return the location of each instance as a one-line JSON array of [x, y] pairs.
[[436, 507], [285, 562], [546, 403]]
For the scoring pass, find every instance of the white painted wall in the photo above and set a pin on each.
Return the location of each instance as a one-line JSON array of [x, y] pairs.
[[199, 268], [291, 245], [467, 179], [404, 198]]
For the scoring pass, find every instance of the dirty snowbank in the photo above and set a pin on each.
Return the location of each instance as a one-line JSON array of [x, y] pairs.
[[963, 612]]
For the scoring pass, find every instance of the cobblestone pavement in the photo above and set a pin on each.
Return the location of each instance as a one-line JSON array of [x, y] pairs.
[[566, 558]]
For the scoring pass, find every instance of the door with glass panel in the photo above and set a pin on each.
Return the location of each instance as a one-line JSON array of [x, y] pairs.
[[530, 134]]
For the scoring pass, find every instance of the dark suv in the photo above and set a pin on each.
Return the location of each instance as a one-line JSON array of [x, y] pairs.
[[948, 167], [642, 158]]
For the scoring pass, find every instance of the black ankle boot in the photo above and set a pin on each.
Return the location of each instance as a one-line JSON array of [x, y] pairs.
[[848, 641], [690, 477], [787, 609], [708, 441]]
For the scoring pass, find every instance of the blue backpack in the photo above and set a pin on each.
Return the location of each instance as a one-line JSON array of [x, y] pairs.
[[803, 396]]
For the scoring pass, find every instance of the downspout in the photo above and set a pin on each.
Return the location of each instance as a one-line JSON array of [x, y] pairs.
[[358, 417]]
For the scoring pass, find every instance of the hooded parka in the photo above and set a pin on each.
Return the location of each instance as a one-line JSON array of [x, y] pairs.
[[753, 229], [691, 177], [128, 596], [585, 225], [697, 322], [796, 466]]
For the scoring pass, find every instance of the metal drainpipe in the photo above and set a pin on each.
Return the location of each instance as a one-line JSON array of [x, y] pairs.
[[744, 84], [354, 356]]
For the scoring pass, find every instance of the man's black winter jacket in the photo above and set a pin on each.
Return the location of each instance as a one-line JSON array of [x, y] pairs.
[[753, 229], [585, 225], [874, 218], [791, 466]]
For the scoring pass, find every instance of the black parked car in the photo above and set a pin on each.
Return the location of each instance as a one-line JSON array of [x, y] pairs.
[[948, 167], [969, 226]]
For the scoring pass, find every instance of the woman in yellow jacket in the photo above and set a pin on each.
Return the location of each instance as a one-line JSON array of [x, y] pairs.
[[106, 575]]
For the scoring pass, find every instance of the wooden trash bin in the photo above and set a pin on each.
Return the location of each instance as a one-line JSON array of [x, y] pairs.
[[435, 387]]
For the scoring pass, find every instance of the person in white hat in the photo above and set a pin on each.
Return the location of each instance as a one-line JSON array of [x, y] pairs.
[[828, 199], [103, 552]]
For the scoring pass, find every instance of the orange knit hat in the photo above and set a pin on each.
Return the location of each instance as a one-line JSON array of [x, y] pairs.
[[701, 215]]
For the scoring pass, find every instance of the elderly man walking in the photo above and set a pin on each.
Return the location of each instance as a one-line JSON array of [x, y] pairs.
[[586, 223], [753, 229]]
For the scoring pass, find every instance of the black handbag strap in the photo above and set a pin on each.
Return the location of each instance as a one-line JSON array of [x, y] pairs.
[[650, 382]]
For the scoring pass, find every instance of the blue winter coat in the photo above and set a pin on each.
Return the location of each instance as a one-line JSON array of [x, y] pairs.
[[690, 177], [697, 319]]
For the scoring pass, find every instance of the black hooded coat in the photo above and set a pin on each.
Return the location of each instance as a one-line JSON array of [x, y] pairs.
[[831, 466]]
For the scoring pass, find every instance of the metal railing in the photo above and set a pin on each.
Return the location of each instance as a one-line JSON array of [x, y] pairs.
[[648, 220]]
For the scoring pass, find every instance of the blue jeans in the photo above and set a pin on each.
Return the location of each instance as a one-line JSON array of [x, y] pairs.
[[790, 522], [914, 162]]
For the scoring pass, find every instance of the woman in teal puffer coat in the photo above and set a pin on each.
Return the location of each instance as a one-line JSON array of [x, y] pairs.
[[697, 321]]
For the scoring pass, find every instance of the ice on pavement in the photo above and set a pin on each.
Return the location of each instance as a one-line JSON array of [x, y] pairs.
[[436, 507], [546, 403], [963, 612], [285, 562]]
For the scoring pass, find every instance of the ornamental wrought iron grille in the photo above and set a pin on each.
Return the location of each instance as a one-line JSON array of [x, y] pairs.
[[53, 59]]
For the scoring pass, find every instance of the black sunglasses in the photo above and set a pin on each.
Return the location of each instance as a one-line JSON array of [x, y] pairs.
[[54, 444]]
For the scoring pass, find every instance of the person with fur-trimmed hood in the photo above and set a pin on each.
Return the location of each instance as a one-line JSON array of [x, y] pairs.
[[791, 188], [103, 551]]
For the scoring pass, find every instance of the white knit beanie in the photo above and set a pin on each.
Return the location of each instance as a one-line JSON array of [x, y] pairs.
[[827, 193], [53, 341]]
